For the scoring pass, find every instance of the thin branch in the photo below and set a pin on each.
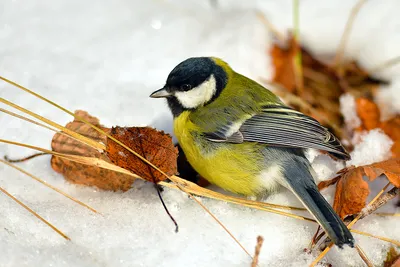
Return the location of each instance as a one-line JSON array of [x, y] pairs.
[[260, 241], [349, 24], [387, 64], [382, 200], [277, 34], [370, 203], [24, 158]]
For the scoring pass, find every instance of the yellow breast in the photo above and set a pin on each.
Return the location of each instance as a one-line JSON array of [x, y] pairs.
[[233, 167]]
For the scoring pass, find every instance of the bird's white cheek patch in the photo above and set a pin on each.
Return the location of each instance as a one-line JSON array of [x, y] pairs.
[[199, 95]]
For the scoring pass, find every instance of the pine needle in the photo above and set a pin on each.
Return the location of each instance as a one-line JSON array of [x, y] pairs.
[[34, 213]]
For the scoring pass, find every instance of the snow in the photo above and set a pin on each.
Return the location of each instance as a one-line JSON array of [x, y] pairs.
[[106, 58], [374, 147], [348, 109]]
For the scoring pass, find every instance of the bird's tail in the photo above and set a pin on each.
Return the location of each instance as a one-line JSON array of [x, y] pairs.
[[306, 190]]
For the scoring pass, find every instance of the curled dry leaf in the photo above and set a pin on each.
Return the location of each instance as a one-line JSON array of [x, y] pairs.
[[100, 177], [351, 189], [81, 173], [351, 193], [155, 146]]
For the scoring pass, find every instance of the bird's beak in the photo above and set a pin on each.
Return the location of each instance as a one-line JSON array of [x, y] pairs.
[[160, 93]]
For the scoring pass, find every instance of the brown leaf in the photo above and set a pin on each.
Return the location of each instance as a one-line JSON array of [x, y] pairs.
[[81, 173], [325, 184], [390, 168], [282, 60], [323, 84], [392, 258], [351, 189], [392, 129], [351, 193], [368, 113], [155, 146]]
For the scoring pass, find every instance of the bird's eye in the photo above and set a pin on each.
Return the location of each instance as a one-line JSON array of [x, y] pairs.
[[186, 87]]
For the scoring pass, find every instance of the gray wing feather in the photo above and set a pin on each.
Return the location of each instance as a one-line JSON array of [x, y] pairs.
[[278, 125]]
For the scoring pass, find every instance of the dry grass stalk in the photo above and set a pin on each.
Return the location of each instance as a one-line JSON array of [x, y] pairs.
[[260, 241], [34, 214]]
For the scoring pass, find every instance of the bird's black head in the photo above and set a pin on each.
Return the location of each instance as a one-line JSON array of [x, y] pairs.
[[193, 83]]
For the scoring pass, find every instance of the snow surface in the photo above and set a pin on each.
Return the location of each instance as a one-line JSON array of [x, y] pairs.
[[106, 57]]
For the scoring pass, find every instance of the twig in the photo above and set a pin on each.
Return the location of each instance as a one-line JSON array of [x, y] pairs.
[[386, 64], [382, 200], [260, 241], [343, 41], [24, 158], [370, 203], [277, 34]]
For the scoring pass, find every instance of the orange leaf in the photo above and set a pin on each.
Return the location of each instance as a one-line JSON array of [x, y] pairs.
[[157, 147], [390, 168], [282, 60], [351, 193], [325, 184], [351, 189], [368, 112], [392, 129]]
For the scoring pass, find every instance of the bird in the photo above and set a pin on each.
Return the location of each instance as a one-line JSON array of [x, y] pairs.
[[241, 137]]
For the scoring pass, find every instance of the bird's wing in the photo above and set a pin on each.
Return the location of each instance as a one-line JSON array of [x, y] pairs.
[[278, 125]]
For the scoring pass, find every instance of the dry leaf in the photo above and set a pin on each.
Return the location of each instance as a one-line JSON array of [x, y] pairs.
[[392, 258], [282, 60], [368, 112], [392, 129], [323, 84], [351, 193], [351, 189], [81, 173], [102, 178], [155, 146]]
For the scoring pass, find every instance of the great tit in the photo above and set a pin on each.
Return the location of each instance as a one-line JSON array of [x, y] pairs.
[[243, 138]]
